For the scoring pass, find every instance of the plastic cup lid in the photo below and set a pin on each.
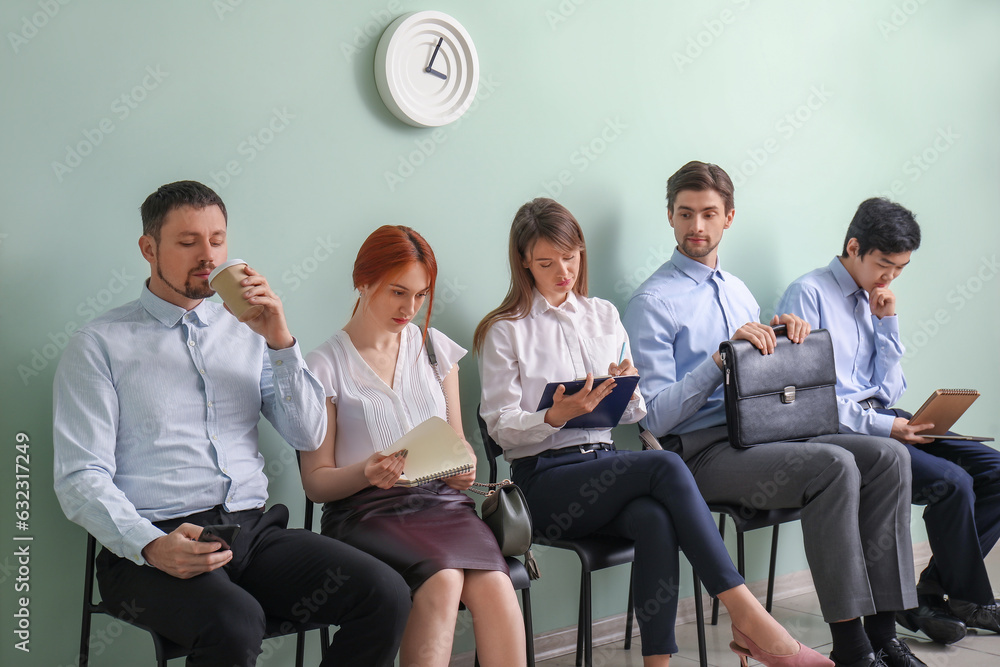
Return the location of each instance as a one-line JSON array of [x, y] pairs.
[[222, 267]]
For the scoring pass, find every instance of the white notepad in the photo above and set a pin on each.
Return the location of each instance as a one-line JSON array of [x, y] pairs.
[[434, 451]]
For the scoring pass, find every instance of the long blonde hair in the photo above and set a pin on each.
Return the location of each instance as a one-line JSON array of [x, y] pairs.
[[540, 218]]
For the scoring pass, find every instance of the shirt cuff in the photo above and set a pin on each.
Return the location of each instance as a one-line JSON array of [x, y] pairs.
[[287, 360], [882, 425], [535, 423], [886, 326], [708, 375], [137, 539]]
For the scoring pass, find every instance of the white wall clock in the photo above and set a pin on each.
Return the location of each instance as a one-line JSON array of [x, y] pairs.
[[426, 69]]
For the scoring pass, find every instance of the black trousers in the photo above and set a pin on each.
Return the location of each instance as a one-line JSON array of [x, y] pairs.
[[293, 575], [649, 497], [959, 482]]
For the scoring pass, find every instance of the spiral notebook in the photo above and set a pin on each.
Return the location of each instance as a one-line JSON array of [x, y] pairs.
[[434, 451], [943, 408]]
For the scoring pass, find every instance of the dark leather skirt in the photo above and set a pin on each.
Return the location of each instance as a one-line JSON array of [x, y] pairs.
[[417, 531]]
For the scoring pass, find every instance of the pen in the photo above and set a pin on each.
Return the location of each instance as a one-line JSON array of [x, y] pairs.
[[621, 357]]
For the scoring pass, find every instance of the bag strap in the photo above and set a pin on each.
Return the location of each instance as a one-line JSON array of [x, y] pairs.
[[432, 358], [492, 486]]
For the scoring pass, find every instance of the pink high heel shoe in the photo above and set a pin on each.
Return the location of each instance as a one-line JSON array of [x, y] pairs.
[[744, 647]]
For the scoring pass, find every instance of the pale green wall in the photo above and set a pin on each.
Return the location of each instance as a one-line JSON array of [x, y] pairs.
[[891, 76]]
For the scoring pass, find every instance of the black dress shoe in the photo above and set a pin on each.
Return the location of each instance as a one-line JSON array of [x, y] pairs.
[[870, 660], [982, 616], [933, 619], [897, 654]]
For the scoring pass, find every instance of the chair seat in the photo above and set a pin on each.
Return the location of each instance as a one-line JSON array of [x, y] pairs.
[[518, 573], [748, 518], [599, 552], [274, 627]]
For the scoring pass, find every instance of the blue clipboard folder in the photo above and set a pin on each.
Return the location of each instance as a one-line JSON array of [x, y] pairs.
[[608, 413]]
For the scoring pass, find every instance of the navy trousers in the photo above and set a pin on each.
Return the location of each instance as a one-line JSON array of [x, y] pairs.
[[959, 482], [293, 575], [649, 497]]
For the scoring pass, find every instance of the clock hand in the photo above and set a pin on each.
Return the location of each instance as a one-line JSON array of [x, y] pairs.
[[430, 66]]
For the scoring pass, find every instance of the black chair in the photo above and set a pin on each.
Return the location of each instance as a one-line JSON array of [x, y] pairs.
[[595, 553], [164, 648]]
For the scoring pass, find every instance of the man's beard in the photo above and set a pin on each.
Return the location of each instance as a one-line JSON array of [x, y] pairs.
[[188, 290], [697, 252]]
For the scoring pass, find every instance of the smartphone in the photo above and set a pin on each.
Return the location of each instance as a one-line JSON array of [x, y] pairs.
[[223, 532]]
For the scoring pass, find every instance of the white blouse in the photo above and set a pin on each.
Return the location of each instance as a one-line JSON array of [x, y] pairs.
[[550, 344], [370, 414]]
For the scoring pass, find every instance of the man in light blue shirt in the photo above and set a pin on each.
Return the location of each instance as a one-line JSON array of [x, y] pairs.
[[156, 405], [853, 490], [959, 481]]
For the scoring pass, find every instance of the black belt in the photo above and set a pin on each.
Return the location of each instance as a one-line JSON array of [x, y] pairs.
[[871, 404], [579, 449]]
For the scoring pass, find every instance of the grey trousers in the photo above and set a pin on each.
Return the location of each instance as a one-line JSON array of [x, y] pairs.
[[854, 491]]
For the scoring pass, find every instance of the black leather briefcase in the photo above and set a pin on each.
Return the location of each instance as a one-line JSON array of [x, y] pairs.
[[788, 395]]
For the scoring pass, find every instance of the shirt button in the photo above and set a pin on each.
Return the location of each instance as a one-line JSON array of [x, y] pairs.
[[225, 471], [210, 404], [278, 362], [201, 370], [191, 343], [215, 437], [288, 398]]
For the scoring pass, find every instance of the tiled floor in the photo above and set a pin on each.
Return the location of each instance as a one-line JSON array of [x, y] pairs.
[[801, 615]]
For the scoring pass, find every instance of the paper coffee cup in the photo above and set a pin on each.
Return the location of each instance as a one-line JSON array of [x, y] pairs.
[[225, 279]]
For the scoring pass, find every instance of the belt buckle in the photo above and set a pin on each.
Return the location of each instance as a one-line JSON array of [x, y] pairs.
[[586, 451]]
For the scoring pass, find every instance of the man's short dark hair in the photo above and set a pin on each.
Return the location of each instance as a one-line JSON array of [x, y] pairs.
[[700, 176], [880, 224], [175, 195]]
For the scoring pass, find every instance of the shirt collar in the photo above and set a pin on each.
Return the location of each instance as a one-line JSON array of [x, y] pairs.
[[843, 278], [539, 305], [168, 314], [695, 270]]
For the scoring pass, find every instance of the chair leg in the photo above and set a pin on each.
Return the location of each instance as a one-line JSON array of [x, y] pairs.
[[581, 622], [699, 611], [588, 640], [85, 637], [715, 601], [770, 572], [476, 663], [529, 638], [300, 645], [324, 641], [630, 611]]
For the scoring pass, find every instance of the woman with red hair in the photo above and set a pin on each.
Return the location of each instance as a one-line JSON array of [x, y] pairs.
[[380, 384]]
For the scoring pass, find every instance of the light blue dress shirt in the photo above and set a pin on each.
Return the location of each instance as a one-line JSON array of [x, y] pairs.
[[676, 320], [867, 350], [155, 417]]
